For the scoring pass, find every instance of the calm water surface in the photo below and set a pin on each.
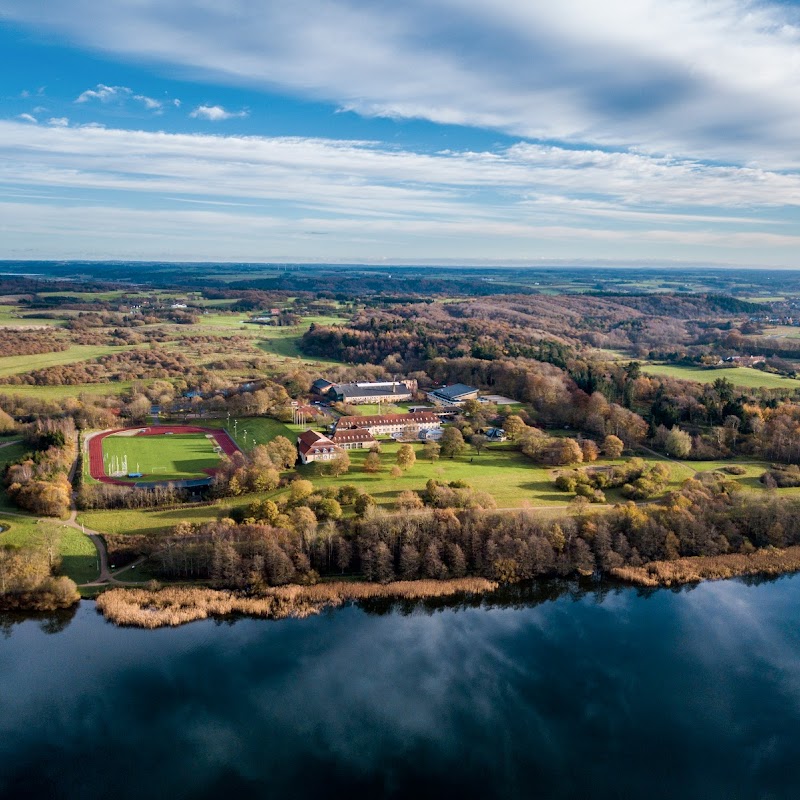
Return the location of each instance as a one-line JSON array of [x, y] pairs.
[[615, 695]]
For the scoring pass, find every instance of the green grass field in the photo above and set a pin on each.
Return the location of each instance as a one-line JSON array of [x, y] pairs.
[[748, 481], [510, 477], [78, 554], [283, 342], [163, 458], [740, 376], [60, 392], [373, 409], [136, 521], [16, 365], [11, 317], [259, 430], [89, 296]]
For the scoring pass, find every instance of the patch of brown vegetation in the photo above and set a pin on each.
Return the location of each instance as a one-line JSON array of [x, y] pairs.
[[145, 608], [770, 561]]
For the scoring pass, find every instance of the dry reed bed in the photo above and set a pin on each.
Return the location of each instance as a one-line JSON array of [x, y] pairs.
[[173, 606], [700, 568]]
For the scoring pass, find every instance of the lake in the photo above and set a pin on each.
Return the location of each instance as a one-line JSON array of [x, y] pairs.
[[543, 694]]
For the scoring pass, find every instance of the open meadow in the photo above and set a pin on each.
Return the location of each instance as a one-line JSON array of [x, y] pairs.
[[19, 365], [744, 377], [112, 388], [505, 473], [159, 521]]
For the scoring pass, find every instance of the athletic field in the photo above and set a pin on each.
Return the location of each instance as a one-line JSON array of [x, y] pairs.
[[157, 454]]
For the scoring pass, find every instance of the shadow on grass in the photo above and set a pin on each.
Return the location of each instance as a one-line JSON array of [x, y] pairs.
[[545, 493], [82, 569]]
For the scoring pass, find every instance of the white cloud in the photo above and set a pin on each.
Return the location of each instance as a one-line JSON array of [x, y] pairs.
[[149, 103], [118, 95], [28, 118], [105, 94], [367, 198], [709, 78], [216, 113], [58, 122]]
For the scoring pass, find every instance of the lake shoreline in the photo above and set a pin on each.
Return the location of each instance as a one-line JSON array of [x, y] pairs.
[[173, 606], [694, 569]]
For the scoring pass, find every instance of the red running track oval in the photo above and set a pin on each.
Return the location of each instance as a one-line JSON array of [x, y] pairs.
[[98, 471]]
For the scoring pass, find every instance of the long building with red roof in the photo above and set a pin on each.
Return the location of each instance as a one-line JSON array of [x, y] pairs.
[[387, 424], [353, 438]]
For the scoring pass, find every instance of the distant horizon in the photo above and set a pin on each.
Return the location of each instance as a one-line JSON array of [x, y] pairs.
[[454, 264]]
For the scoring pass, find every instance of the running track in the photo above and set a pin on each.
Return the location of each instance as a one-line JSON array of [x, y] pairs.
[[97, 468]]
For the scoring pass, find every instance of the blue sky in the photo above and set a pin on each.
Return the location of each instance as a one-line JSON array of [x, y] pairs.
[[630, 131]]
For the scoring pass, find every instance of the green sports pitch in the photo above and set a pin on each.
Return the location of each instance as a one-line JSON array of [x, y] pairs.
[[173, 457]]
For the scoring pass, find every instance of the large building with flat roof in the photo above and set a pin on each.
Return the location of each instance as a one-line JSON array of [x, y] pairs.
[[367, 391], [453, 395]]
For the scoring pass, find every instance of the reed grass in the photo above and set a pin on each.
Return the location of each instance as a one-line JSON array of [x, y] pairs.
[[177, 605], [703, 568]]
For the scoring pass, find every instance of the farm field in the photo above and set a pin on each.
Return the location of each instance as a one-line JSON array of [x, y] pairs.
[[222, 320], [78, 554], [61, 392], [783, 331], [87, 296], [11, 317], [775, 298], [17, 365], [740, 376], [163, 458]]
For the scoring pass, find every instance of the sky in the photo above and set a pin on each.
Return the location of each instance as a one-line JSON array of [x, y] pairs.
[[427, 131]]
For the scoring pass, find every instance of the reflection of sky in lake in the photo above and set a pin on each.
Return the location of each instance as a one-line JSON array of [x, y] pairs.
[[689, 694]]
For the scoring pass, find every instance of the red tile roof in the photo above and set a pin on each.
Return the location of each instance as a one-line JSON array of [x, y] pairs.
[[386, 419], [352, 435], [313, 440]]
